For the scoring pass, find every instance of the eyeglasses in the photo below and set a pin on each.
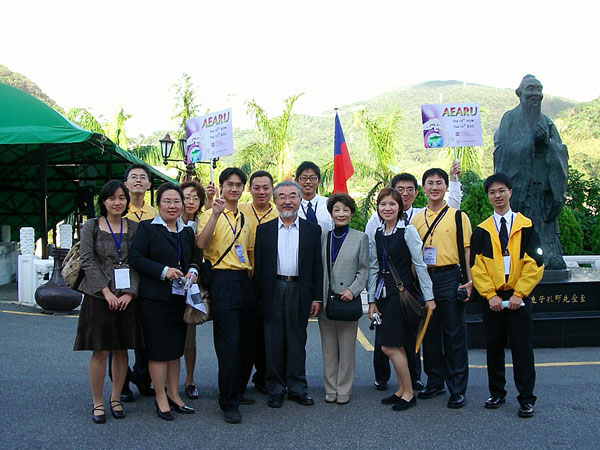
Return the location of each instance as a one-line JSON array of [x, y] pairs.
[[408, 190], [291, 197], [500, 191], [135, 177], [231, 185], [193, 199], [305, 178], [171, 201]]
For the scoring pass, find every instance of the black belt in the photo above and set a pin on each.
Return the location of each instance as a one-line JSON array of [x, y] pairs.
[[287, 278], [434, 269]]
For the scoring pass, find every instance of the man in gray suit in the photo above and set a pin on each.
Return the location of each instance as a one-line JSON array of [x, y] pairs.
[[288, 278]]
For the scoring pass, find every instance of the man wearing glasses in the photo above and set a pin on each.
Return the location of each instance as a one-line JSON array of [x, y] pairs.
[[313, 207], [407, 187], [227, 239], [137, 181]]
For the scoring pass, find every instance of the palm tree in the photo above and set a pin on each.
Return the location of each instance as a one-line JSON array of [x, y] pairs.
[[272, 150], [85, 119]]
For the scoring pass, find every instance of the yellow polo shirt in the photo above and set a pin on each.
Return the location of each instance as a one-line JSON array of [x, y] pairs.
[[443, 237], [254, 218], [223, 236], [146, 212]]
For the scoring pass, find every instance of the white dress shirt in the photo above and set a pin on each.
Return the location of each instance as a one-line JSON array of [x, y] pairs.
[[414, 244], [319, 204], [288, 239], [509, 217]]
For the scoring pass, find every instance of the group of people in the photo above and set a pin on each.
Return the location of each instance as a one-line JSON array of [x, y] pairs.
[[276, 262]]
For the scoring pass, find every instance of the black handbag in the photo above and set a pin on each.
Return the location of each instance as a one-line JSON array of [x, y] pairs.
[[413, 309], [336, 308]]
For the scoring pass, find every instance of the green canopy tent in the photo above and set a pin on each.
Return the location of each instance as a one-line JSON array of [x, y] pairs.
[[49, 166]]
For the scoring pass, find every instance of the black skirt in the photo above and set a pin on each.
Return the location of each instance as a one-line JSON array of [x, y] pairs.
[[99, 328], [163, 327], [394, 329]]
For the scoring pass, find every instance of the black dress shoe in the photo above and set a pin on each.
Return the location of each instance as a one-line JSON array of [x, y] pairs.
[[126, 394], [191, 392], [430, 392], [526, 410], [456, 401], [180, 409], [98, 418], [303, 399], [391, 400], [232, 416], [145, 390], [380, 385], [494, 401], [116, 413], [168, 415], [402, 405], [245, 400], [275, 401], [418, 386]]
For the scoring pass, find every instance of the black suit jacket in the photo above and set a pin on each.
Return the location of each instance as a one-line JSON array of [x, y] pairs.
[[310, 266], [153, 248]]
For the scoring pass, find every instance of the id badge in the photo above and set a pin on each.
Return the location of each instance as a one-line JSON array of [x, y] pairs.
[[506, 260], [121, 277], [430, 256], [379, 290], [239, 251]]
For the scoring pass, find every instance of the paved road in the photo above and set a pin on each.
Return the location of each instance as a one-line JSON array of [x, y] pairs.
[[46, 402]]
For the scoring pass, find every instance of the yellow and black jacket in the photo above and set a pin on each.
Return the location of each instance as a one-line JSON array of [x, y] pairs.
[[526, 262]]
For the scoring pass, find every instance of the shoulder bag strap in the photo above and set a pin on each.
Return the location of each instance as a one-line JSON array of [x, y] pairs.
[[460, 244], [235, 238], [435, 222]]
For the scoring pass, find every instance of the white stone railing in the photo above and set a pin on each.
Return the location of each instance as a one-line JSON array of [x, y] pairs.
[[573, 261]]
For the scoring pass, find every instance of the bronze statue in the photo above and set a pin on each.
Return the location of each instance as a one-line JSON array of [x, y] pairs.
[[528, 148]]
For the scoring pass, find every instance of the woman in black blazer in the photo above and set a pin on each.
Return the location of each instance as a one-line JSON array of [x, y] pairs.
[[162, 253]]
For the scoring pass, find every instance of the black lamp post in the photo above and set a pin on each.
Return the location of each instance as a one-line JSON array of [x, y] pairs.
[[166, 147]]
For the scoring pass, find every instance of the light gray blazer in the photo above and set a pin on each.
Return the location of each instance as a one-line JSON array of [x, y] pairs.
[[351, 268]]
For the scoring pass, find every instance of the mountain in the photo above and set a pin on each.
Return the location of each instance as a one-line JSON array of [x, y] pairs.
[[23, 83]]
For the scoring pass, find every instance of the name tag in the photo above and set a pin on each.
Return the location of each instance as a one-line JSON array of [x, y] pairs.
[[506, 260], [239, 251], [380, 289], [121, 277], [430, 256]]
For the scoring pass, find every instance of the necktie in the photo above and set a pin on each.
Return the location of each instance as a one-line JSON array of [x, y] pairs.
[[503, 235], [405, 217], [310, 214]]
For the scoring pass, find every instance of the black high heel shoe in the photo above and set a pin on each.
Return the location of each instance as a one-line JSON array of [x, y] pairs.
[[115, 413], [180, 409], [98, 418], [163, 415]]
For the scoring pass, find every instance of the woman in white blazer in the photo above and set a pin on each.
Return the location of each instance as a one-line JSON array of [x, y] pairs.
[[346, 252]]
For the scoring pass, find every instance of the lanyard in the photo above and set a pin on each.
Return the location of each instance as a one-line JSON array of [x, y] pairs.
[[263, 217], [434, 225], [335, 254], [234, 230], [314, 207], [512, 219], [179, 250], [139, 218], [117, 243]]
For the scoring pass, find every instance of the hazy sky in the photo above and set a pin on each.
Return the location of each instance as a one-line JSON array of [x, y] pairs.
[[104, 54]]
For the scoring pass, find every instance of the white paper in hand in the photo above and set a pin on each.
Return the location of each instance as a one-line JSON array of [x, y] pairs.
[[194, 298]]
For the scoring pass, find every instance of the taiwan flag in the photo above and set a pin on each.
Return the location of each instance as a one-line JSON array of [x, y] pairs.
[[342, 166]]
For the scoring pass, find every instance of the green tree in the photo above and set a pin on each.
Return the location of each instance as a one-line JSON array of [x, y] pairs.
[[85, 119], [186, 106], [272, 148], [477, 205], [115, 130], [571, 236]]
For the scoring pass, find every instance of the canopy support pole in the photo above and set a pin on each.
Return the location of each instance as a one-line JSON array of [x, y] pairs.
[[43, 201]]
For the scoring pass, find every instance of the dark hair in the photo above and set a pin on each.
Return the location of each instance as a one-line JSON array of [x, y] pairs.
[[498, 177], [108, 190], [137, 166], [261, 173], [199, 189], [166, 187], [404, 177], [436, 171], [390, 192], [232, 171], [343, 198], [308, 165]]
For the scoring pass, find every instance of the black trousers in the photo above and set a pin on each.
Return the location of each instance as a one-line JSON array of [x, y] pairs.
[[235, 313], [260, 363], [381, 363], [445, 356], [518, 327], [285, 341]]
